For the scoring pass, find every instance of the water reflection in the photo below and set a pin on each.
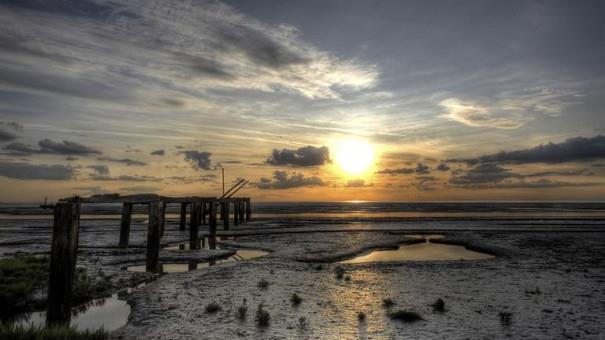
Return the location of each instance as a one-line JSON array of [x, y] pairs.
[[166, 268], [426, 251], [108, 313]]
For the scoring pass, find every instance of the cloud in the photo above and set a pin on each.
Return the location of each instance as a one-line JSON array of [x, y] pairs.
[[573, 172], [571, 150], [442, 167], [481, 174], [281, 180], [26, 171], [422, 169], [127, 161], [542, 184], [101, 170], [199, 159], [6, 136], [140, 189], [92, 190], [357, 183], [65, 148], [397, 171], [126, 178], [158, 152], [472, 114], [20, 149], [305, 156]]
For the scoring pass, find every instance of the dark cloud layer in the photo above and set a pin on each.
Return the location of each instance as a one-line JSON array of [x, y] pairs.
[[127, 161], [199, 159], [305, 156], [397, 171], [101, 170], [571, 150], [26, 171], [47, 146], [281, 180], [7, 136]]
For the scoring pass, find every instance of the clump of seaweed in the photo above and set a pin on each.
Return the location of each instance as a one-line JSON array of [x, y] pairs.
[[388, 302], [262, 317], [295, 299], [439, 305], [405, 316], [263, 284], [339, 272], [212, 307], [242, 311]]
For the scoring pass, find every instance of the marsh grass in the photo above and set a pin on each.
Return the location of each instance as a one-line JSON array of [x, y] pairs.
[[18, 332], [262, 317], [405, 316], [20, 276], [212, 307], [295, 299], [263, 284]]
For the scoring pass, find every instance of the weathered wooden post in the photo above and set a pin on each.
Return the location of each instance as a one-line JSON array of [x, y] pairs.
[[183, 220], [225, 214], [235, 212], [163, 218], [212, 224], [204, 212], [240, 203], [63, 257], [194, 243], [248, 209], [153, 236], [125, 225]]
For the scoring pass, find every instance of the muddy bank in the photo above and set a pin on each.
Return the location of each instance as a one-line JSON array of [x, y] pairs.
[[539, 286]]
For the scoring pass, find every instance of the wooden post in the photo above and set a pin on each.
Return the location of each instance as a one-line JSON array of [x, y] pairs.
[[162, 218], [204, 212], [63, 255], [153, 236], [225, 214], [212, 225], [125, 225], [235, 212], [183, 221], [240, 203], [194, 243], [248, 209]]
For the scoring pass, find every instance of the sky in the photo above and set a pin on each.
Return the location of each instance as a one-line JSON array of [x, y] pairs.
[[307, 100]]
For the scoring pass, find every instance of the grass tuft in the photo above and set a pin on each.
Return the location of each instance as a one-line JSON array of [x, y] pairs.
[[18, 332], [263, 284], [213, 307], [262, 317], [295, 299], [388, 302], [405, 316], [361, 316], [242, 311], [439, 305], [339, 272]]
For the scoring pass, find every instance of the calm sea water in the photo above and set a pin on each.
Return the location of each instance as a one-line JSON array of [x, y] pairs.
[[353, 209]]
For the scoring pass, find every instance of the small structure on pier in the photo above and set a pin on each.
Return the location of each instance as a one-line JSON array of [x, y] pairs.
[[203, 211]]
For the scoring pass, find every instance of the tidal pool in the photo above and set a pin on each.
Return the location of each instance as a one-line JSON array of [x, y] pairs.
[[166, 268], [108, 313], [426, 251]]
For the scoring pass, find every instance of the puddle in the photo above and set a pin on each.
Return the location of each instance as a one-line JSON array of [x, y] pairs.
[[166, 268], [426, 251], [204, 244], [108, 313]]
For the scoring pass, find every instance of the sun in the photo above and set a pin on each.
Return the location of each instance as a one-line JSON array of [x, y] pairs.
[[354, 156]]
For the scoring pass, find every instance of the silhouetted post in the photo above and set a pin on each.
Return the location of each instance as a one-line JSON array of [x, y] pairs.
[[248, 209], [240, 203], [212, 225], [155, 213], [194, 243], [235, 212], [125, 225], [204, 212], [63, 256], [225, 214], [183, 220], [162, 218]]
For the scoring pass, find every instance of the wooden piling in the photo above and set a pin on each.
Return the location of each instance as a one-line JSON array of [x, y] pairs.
[[248, 209], [125, 225], [204, 212], [194, 243], [235, 212], [183, 221], [63, 257], [162, 218], [225, 214], [212, 225], [155, 213], [240, 202]]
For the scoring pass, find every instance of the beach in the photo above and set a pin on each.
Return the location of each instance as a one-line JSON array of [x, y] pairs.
[[502, 276]]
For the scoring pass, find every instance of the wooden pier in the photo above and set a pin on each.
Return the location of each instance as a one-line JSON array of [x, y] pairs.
[[202, 211]]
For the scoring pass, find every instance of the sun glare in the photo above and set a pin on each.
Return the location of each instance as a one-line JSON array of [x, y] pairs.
[[353, 156]]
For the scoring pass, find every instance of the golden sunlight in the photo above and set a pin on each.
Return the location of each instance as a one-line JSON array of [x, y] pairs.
[[353, 156]]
